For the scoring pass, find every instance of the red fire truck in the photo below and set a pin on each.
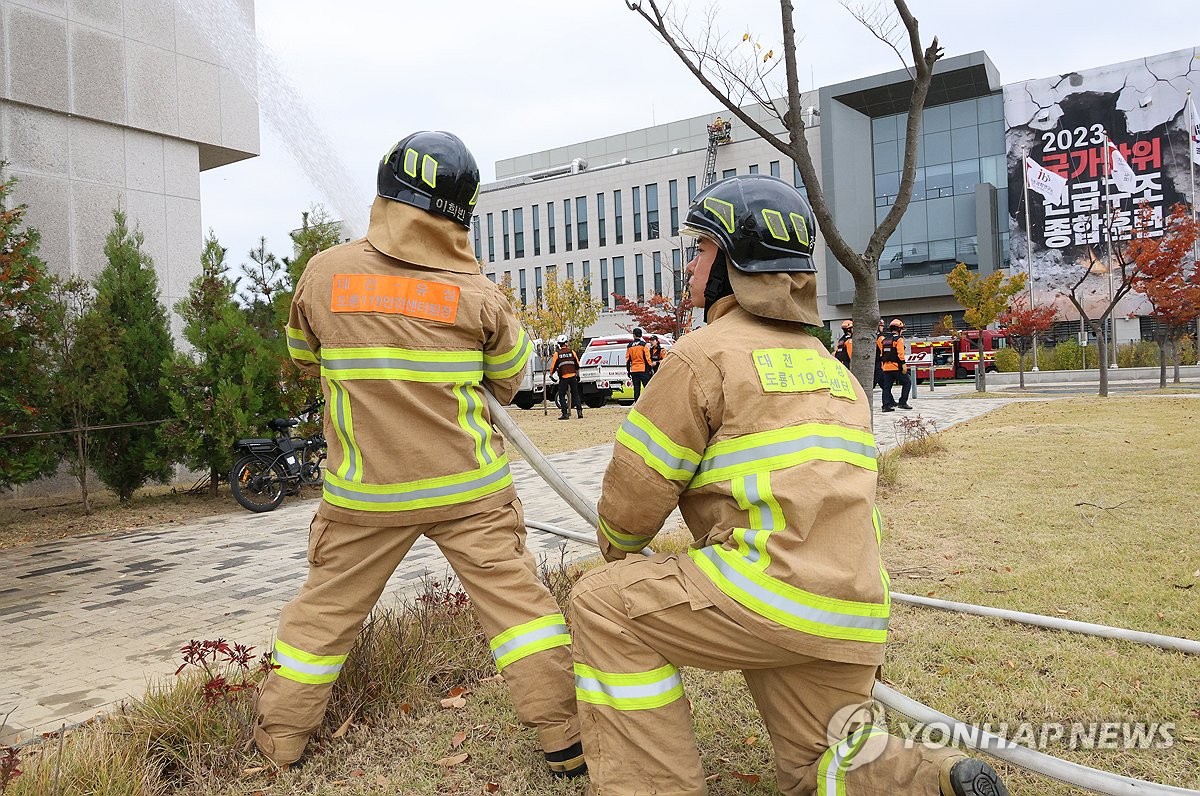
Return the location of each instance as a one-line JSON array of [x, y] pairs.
[[953, 357]]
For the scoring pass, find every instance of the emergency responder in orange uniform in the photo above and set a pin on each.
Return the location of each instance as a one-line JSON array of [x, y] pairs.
[[406, 334], [656, 353], [565, 367], [637, 363], [764, 443], [845, 344], [891, 362]]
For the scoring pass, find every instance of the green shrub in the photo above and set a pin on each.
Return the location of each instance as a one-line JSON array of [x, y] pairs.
[[1138, 354], [1007, 360], [1187, 350]]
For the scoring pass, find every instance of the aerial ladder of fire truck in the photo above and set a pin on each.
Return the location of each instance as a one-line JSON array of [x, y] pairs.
[[720, 131]]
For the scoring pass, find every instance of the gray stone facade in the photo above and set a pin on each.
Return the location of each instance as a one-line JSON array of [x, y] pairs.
[[107, 103]]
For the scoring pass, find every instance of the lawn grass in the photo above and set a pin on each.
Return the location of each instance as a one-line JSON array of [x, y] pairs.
[[1080, 508]]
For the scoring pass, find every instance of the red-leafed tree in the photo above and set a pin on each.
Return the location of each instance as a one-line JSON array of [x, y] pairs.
[[659, 315], [1167, 275], [1022, 325]]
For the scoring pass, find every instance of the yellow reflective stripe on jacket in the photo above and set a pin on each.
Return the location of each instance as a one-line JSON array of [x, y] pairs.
[[782, 448], [501, 366], [753, 495], [298, 347], [877, 521], [402, 364], [789, 606], [304, 667], [470, 419], [638, 691], [657, 450], [343, 426], [832, 768], [447, 490], [630, 543], [543, 633]]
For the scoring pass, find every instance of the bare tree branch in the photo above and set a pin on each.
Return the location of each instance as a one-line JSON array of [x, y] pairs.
[[882, 25]]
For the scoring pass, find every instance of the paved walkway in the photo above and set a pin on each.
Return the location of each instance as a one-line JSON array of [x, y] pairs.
[[88, 621]]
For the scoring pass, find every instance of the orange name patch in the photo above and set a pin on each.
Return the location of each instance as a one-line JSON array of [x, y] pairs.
[[395, 295]]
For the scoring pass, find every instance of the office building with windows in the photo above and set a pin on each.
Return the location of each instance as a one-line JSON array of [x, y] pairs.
[[608, 210]]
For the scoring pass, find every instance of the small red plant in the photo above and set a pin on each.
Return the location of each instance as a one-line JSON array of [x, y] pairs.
[[9, 767], [227, 667]]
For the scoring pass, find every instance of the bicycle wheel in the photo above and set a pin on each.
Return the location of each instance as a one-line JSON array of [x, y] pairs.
[[257, 485]]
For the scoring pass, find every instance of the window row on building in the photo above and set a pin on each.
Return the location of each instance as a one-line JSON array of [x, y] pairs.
[[566, 226]]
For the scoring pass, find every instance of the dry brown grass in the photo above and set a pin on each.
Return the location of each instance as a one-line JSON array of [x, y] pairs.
[[551, 435], [1078, 508]]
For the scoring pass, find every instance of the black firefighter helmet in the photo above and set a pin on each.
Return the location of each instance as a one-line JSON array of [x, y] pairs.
[[432, 170], [762, 224]]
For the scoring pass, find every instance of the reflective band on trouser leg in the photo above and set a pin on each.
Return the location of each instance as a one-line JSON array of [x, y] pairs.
[[298, 346], [831, 772], [637, 691], [789, 606], [627, 542], [501, 366], [519, 642], [304, 667], [657, 450], [783, 448], [447, 490]]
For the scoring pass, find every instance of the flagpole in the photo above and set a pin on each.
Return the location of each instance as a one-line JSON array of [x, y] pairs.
[[1108, 239], [1029, 244]]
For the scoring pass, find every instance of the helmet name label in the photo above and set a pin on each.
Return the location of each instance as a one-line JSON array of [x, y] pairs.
[[451, 209], [801, 370], [395, 295]]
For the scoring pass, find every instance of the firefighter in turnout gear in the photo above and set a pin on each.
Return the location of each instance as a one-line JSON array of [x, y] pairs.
[[406, 334], [565, 368], [845, 344], [893, 366], [764, 443]]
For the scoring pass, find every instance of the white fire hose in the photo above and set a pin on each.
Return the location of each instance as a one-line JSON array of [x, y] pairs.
[[1091, 779]]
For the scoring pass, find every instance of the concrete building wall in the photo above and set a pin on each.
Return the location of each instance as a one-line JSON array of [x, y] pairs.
[[107, 103]]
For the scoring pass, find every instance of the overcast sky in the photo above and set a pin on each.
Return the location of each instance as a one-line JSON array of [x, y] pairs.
[[520, 76]]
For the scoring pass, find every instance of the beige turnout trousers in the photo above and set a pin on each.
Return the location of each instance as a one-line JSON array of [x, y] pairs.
[[636, 620], [349, 566]]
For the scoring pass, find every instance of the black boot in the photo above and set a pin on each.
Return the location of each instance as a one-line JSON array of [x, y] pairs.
[[564, 417], [580, 414], [967, 776], [568, 762]]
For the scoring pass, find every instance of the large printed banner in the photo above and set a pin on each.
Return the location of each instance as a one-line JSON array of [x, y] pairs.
[[1061, 123]]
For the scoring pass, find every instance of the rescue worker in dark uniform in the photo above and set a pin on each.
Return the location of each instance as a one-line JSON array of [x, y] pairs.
[[878, 382], [565, 369], [637, 363], [764, 443], [895, 369], [844, 349], [406, 334]]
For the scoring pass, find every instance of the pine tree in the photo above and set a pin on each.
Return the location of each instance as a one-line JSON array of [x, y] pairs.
[[24, 378], [127, 300], [217, 390], [89, 378]]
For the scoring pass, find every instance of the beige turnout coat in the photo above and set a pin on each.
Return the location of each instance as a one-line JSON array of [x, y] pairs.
[[407, 333], [764, 441]]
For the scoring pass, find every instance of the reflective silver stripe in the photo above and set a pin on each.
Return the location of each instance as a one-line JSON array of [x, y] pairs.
[[656, 450], [512, 362], [790, 606], [298, 343], [400, 363], [783, 448], [484, 432], [350, 450], [287, 661], [405, 496], [622, 692], [528, 638], [767, 518]]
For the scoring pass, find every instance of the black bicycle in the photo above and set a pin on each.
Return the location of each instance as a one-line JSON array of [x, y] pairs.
[[268, 469]]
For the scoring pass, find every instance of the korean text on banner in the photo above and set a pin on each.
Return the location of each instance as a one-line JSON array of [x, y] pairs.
[[1047, 183]]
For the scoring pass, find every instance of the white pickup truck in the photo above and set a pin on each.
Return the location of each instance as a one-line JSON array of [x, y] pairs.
[[602, 368]]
